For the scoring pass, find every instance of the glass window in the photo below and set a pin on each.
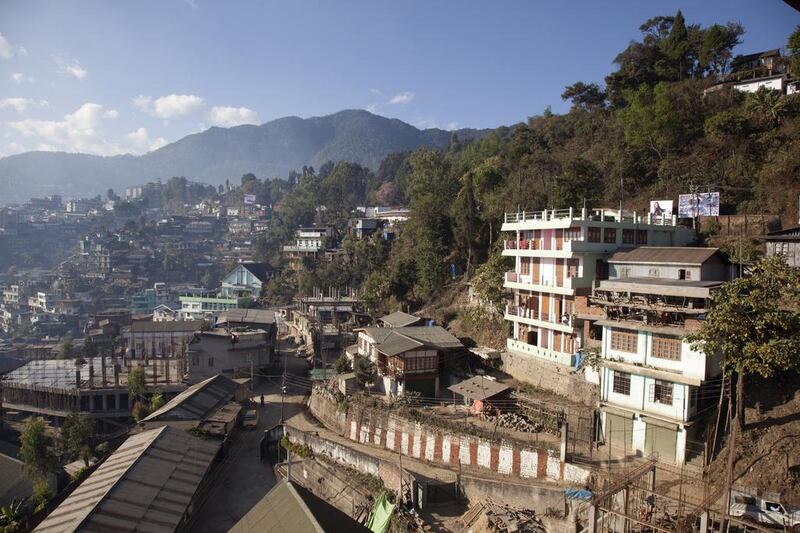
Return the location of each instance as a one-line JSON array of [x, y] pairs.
[[666, 348], [622, 383], [628, 236], [610, 235], [661, 392], [593, 234], [641, 237], [624, 341]]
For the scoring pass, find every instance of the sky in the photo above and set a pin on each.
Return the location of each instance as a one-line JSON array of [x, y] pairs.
[[116, 77]]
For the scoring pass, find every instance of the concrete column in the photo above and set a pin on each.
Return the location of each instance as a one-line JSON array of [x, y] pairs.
[[564, 432], [591, 527], [704, 522]]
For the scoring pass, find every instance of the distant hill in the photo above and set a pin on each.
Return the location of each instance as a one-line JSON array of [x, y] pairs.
[[269, 150]]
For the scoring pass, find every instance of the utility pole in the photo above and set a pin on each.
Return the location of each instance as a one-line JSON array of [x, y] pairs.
[[729, 473]]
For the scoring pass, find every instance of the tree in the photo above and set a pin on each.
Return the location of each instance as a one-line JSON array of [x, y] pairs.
[[35, 449], [342, 365], [580, 181], [793, 47], [65, 348], [156, 401], [767, 105], [364, 370], [754, 324], [717, 47], [136, 383], [585, 95], [139, 411], [76, 436], [89, 349]]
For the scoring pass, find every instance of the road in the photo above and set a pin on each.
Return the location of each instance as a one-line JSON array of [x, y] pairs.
[[243, 479]]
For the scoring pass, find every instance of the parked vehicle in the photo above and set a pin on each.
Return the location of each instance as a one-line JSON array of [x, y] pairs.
[[766, 512], [250, 420]]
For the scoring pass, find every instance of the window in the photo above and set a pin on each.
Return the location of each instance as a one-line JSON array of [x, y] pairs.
[[210, 362], [572, 267], [653, 273], [622, 383], [661, 392], [628, 236], [572, 234], [641, 237], [593, 234], [666, 348], [610, 235], [624, 272], [624, 341]]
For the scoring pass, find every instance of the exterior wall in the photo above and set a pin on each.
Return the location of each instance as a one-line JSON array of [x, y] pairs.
[[776, 84], [549, 376], [215, 354], [386, 430], [790, 250], [240, 279], [639, 400]]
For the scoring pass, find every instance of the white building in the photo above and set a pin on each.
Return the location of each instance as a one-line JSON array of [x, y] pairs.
[[558, 255], [653, 386], [246, 280], [233, 353]]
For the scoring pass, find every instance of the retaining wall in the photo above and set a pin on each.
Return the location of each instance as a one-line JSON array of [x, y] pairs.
[[386, 430], [549, 376]]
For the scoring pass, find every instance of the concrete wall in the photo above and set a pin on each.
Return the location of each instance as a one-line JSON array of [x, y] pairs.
[[549, 376], [516, 494], [435, 445]]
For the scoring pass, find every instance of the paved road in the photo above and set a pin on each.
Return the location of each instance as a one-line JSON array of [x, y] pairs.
[[243, 479]]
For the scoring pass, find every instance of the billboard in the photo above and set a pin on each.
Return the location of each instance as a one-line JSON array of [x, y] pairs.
[[249, 198], [701, 204], [661, 208]]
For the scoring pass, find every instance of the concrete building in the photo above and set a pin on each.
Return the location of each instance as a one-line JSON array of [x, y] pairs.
[[146, 339], [407, 358], [54, 388], [653, 386], [309, 242], [150, 483], [785, 242], [557, 257], [233, 353], [206, 307]]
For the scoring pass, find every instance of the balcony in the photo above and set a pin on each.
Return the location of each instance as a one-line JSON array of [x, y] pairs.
[[600, 215], [546, 320], [515, 280]]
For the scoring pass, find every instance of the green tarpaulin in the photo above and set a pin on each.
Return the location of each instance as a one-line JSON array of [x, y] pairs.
[[381, 514]]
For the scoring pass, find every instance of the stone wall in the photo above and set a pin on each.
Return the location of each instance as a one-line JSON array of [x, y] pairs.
[[450, 449], [549, 376]]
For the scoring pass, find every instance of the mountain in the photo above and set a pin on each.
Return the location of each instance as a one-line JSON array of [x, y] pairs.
[[269, 150]]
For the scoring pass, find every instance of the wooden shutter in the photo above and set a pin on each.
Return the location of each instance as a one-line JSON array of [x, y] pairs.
[[559, 272]]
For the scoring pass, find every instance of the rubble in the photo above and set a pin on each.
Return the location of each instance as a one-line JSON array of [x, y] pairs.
[[517, 423], [488, 516]]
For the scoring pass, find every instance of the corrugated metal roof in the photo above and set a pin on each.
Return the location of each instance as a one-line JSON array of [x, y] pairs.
[[432, 336], [675, 255], [397, 343], [247, 316], [146, 485], [399, 319], [478, 388], [198, 401], [290, 507]]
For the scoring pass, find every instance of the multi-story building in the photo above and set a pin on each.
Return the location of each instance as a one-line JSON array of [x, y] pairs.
[[206, 306], [407, 358], [654, 387], [234, 353], [147, 339], [309, 242], [785, 242], [557, 256]]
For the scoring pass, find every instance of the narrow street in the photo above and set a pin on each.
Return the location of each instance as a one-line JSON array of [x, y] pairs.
[[243, 479]]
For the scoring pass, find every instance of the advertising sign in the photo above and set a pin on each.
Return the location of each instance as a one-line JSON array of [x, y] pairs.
[[249, 198], [659, 208], [702, 204]]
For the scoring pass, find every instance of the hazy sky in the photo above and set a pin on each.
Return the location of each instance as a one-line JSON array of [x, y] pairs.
[[108, 77]]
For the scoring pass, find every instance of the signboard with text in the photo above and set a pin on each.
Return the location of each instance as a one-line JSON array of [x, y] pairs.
[[249, 198]]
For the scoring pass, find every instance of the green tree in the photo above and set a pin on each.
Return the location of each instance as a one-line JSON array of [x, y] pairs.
[[35, 450], [136, 383], [580, 181], [65, 347], [364, 370], [754, 324], [490, 276], [156, 401], [76, 436], [793, 47], [342, 365], [89, 349], [585, 95]]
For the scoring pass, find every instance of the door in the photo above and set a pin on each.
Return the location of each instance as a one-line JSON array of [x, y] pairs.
[[559, 239], [559, 272], [545, 313], [619, 431], [661, 442], [535, 270]]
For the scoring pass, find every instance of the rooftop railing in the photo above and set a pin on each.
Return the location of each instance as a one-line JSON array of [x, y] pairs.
[[600, 215]]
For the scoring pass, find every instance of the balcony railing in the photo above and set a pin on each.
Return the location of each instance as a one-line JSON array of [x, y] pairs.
[[533, 314]]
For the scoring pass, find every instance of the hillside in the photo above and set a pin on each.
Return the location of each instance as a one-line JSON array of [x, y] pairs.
[[269, 150]]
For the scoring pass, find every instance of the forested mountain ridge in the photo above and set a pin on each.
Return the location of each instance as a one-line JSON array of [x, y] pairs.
[[270, 150], [651, 133]]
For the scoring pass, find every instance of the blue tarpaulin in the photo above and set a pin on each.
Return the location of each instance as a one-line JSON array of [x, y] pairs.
[[578, 494]]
